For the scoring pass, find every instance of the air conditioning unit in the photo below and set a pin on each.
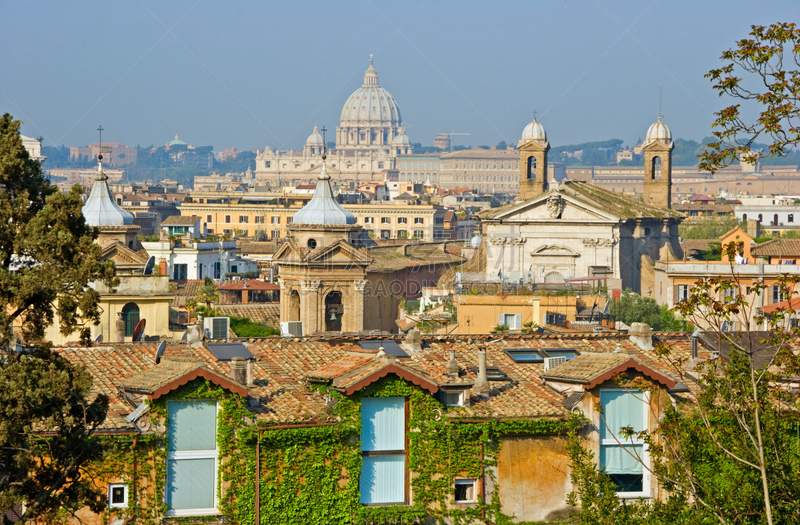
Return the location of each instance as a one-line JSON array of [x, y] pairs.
[[216, 327], [292, 329], [551, 362]]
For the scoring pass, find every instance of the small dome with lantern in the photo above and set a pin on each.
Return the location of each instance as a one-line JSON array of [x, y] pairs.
[[533, 131], [659, 131]]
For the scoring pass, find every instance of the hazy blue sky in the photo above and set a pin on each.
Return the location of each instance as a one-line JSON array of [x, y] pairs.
[[250, 74]]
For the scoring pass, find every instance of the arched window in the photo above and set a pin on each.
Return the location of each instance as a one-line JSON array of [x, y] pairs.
[[760, 217], [744, 216], [775, 220], [333, 312], [791, 218], [532, 167], [130, 314], [656, 168], [294, 306]]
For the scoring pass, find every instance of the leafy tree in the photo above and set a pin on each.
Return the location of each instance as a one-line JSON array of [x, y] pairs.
[[207, 293], [501, 145], [244, 327], [530, 328], [709, 229], [633, 308], [727, 451], [769, 65], [500, 329], [47, 414], [48, 253], [672, 322]]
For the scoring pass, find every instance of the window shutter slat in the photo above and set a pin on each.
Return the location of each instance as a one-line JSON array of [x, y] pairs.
[[383, 423], [192, 425]]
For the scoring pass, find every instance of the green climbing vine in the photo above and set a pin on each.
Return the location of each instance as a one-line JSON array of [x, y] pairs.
[[310, 475]]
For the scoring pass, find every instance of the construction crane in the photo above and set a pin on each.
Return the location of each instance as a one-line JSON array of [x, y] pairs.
[[451, 134]]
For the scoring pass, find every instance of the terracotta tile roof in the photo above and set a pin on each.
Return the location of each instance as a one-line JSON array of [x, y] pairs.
[[173, 372], [261, 313], [180, 220], [185, 290], [249, 284], [392, 258], [692, 247], [282, 367], [777, 248], [700, 198], [791, 304], [265, 248]]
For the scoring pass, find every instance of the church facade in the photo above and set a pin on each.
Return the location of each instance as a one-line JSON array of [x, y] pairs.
[[574, 230], [369, 138]]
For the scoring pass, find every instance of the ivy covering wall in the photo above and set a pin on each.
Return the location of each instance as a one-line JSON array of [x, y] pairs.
[[310, 476]]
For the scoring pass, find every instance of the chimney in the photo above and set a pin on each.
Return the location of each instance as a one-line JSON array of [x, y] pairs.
[[239, 370], [452, 365], [642, 335], [250, 373], [695, 335], [120, 328], [162, 267], [481, 384]]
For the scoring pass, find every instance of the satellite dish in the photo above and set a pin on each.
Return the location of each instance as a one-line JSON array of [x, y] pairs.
[[139, 330], [98, 339], [148, 268], [160, 350]]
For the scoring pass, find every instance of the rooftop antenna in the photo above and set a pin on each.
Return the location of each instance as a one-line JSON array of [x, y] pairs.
[[660, 96]]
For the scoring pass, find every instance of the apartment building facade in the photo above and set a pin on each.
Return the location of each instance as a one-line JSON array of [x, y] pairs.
[[382, 221]]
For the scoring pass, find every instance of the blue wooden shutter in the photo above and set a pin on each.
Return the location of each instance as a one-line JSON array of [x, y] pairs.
[[192, 425], [383, 422]]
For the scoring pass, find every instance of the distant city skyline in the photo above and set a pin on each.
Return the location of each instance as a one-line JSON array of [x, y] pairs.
[[253, 75]]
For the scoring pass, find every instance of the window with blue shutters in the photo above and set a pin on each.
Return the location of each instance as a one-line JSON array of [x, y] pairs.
[[383, 449], [622, 457], [192, 458]]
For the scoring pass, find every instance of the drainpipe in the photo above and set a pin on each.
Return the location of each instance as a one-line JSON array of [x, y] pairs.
[[483, 488], [133, 483], [258, 475]]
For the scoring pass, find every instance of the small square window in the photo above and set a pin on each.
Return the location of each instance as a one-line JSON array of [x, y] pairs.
[[465, 491], [118, 495], [453, 398]]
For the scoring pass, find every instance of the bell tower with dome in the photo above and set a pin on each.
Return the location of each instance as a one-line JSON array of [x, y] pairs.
[[370, 118], [658, 146], [533, 148]]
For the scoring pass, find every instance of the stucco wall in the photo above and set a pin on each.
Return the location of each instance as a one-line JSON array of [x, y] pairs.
[[533, 477]]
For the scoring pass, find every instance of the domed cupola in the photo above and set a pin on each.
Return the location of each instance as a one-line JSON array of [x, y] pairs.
[[370, 102], [370, 117], [533, 131], [323, 208], [659, 131], [315, 143], [401, 139], [100, 209], [315, 139]]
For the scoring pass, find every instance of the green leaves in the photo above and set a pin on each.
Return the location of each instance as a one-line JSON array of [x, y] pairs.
[[769, 65]]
